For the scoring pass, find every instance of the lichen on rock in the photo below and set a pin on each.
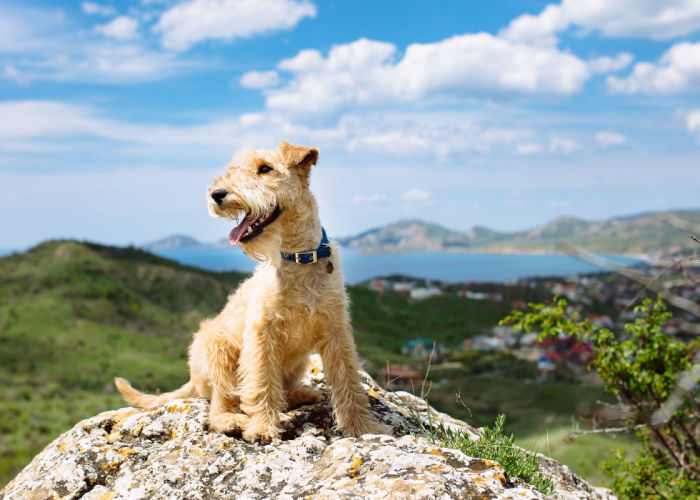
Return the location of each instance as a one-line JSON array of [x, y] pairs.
[[170, 452]]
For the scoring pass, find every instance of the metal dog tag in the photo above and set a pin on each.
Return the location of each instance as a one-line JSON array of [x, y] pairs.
[[329, 267]]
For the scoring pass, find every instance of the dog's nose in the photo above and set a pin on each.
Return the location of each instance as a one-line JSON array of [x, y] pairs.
[[218, 195]]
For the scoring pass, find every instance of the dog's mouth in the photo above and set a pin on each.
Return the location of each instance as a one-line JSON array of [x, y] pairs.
[[249, 228]]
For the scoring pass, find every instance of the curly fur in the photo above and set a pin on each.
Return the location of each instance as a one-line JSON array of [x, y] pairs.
[[250, 358]]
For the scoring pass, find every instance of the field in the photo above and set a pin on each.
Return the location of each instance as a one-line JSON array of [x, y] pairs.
[[73, 315]]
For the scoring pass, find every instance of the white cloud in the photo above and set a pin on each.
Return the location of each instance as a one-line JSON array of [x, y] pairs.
[[193, 21], [98, 9], [678, 70], [692, 122], [46, 121], [620, 18], [364, 199], [367, 72], [607, 139], [259, 79], [28, 125], [563, 145], [608, 64], [24, 30], [97, 62], [39, 44], [414, 194], [438, 135], [557, 203], [530, 148], [120, 28], [538, 29]]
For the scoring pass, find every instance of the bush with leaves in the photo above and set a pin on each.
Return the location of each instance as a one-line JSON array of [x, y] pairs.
[[645, 369]]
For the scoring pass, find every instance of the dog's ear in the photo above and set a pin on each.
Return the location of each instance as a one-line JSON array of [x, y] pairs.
[[298, 156]]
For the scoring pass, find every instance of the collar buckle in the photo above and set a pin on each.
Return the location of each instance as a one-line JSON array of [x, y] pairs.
[[314, 256]]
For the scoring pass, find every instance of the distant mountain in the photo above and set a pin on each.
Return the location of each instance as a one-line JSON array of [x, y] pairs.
[[631, 234], [175, 241], [635, 234], [408, 235]]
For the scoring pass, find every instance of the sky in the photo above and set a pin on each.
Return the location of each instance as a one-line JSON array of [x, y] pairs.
[[115, 115]]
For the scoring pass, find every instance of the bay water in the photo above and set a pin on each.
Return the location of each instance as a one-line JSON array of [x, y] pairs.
[[448, 267]]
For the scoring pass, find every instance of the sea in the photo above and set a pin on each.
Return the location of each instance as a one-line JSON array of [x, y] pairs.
[[447, 267]]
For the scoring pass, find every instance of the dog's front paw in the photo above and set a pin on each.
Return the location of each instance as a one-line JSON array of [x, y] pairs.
[[261, 433], [228, 422]]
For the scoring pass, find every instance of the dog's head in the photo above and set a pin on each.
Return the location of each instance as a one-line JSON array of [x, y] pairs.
[[258, 187]]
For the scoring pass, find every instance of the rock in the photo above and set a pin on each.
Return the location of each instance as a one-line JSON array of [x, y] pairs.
[[171, 453]]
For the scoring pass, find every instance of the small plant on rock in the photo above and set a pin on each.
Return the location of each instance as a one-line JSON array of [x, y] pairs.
[[493, 445]]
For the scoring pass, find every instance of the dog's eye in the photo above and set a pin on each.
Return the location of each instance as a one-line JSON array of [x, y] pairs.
[[263, 169]]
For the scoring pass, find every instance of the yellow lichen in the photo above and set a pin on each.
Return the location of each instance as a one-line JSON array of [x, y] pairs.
[[437, 452], [179, 409], [125, 452], [436, 468], [108, 496], [373, 393], [354, 466]]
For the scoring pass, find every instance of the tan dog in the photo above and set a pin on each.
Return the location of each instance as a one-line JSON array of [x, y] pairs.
[[250, 358]]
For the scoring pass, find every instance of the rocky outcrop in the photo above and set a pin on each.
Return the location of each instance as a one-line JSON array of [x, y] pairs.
[[171, 453]]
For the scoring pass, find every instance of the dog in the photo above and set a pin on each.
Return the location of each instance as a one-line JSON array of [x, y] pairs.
[[249, 360]]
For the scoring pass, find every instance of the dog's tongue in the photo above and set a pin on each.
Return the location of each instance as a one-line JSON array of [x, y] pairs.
[[237, 232]]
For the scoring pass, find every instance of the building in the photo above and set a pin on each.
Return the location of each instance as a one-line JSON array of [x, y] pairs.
[[424, 292], [422, 349], [401, 377]]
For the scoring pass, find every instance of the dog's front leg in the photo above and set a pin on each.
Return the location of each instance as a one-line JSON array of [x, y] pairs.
[[261, 389], [341, 368]]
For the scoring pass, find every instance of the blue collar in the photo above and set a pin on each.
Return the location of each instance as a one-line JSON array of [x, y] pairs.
[[312, 256]]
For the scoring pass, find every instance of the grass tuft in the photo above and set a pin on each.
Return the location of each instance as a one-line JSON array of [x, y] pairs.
[[493, 445]]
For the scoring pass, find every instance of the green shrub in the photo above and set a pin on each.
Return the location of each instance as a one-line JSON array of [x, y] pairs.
[[642, 368]]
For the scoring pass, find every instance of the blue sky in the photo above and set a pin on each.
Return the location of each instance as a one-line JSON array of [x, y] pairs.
[[115, 115]]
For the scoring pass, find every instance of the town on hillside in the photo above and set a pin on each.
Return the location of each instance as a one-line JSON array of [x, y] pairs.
[[605, 299]]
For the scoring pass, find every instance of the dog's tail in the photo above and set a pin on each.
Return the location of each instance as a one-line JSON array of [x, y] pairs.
[[149, 401]]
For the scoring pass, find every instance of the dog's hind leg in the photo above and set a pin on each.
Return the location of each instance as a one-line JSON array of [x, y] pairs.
[[341, 368], [295, 393]]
